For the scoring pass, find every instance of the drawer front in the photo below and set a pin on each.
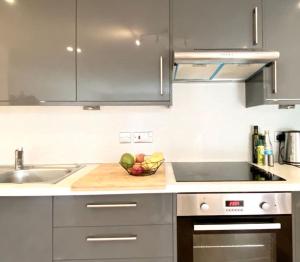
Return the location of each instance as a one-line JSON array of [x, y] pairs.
[[112, 242], [168, 259], [112, 210]]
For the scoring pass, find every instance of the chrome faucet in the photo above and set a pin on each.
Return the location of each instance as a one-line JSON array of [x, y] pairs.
[[19, 159]]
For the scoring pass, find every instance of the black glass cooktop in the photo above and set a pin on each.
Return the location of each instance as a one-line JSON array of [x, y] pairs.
[[220, 171]]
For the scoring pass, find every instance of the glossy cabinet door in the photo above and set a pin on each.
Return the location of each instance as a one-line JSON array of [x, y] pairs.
[[148, 241], [124, 48], [147, 209], [281, 27], [35, 64], [26, 229], [215, 24]]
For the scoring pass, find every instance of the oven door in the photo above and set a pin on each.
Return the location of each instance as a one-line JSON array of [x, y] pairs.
[[234, 239]]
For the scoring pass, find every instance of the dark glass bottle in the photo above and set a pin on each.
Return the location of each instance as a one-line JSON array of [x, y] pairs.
[[255, 140]]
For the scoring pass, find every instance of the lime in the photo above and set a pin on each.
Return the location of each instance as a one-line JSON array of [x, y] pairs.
[[127, 160]]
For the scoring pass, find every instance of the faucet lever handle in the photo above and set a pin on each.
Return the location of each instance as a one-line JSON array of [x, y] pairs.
[[19, 159], [19, 149]]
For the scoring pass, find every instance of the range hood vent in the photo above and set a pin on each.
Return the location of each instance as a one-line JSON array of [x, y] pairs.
[[212, 65]]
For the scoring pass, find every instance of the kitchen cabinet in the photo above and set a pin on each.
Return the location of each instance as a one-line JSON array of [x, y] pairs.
[[123, 53], [36, 229], [102, 242], [215, 24], [84, 52], [26, 229], [93, 211], [280, 25], [259, 86], [139, 226], [279, 82], [37, 58]]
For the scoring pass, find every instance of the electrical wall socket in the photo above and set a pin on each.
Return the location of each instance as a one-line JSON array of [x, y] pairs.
[[276, 133], [142, 137], [125, 137]]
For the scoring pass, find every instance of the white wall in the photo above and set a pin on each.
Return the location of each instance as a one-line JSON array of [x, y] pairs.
[[208, 122]]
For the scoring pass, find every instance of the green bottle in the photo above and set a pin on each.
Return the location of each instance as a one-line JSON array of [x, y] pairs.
[[260, 149], [255, 140]]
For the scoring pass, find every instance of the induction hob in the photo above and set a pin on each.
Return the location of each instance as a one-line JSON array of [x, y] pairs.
[[220, 172]]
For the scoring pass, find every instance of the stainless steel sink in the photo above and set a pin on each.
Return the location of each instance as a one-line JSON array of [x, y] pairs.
[[49, 174]]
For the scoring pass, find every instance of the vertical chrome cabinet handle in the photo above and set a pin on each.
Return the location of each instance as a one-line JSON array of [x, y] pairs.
[[111, 205], [108, 239], [161, 76], [255, 26], [275, 89]]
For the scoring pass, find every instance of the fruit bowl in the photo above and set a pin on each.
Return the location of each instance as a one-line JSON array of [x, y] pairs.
[[147, 169], [141, 165]]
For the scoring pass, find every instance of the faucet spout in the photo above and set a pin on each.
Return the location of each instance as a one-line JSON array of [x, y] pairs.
[[19, 159]]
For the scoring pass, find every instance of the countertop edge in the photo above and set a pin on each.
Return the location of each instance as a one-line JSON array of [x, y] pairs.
[[63, 188]]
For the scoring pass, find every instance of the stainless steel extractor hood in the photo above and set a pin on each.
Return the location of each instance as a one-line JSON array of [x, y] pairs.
[[220, 65]]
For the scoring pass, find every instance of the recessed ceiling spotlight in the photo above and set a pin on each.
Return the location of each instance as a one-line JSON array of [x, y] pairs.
[[137, 42], [11, 2], [79, 50], [70, 49]]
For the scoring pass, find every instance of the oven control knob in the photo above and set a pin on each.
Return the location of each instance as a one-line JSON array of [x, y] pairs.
[[204, 206], [265, 206]]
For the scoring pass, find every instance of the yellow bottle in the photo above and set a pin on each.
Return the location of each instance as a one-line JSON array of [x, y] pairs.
[[260, 153]]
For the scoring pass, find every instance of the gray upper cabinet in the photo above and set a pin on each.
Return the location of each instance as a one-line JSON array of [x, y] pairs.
[[124, 54], [26, 229], [37, 58], [281, 27], [215, 24]]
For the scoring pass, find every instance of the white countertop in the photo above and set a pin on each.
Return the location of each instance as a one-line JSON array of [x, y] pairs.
[[290, 173]]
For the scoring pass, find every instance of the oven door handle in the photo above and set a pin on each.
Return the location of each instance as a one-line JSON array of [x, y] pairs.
[[226, 227]]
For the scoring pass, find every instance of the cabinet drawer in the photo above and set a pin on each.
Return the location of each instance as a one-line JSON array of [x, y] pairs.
[[112, 210], [168, 259], [112, 242]]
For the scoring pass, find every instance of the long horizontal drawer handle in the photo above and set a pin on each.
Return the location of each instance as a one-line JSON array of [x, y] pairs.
[[225, 227], [229, 246], [107, 239], [111, 205]]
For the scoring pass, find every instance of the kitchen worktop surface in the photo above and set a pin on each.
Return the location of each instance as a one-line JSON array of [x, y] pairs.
[[290, 173]]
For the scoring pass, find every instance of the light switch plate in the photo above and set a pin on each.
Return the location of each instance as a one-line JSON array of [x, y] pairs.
[[143, 137], [125, 137]]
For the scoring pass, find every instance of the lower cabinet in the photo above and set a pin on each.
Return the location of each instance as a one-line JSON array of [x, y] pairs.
[[113, 242], [112, 210], [118, 228], [29, 233], [26, 229]]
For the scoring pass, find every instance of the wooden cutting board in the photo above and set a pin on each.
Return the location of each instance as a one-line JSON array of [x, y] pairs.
[[113, 176]]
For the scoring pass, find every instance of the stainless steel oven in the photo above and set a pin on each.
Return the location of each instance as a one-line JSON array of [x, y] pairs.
[[251, 227]]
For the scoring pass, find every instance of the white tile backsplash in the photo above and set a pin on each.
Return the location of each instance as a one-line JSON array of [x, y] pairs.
[[208, 122]]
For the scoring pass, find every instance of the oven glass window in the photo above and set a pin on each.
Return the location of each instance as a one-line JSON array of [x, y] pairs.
[[234, 247]]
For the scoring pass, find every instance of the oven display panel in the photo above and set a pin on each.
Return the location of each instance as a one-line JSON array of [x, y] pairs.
[[234, 203]]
